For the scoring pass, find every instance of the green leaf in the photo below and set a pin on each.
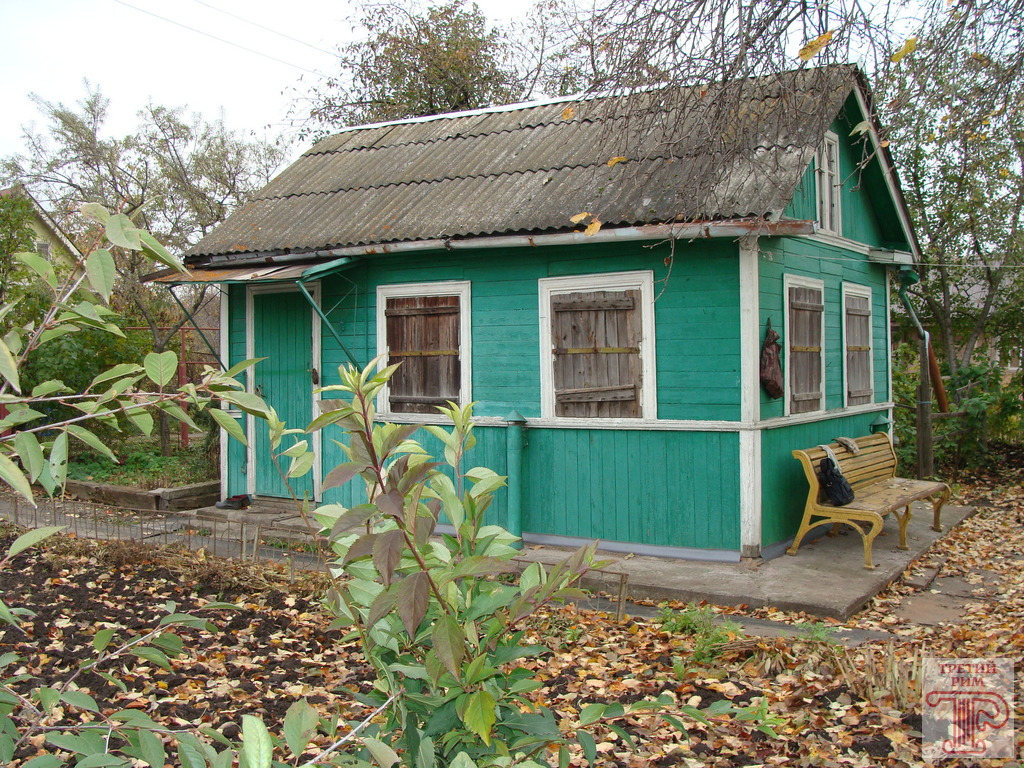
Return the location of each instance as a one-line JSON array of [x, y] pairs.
[[229, 424], [58, 463], [153, 655], [80, 699], [96, 212], [257, 746], [592, 713], [99, 268], [102, 638], [382, 753], [121, 231], [118, 371], [297, 450], [299, 723], [449, 643], [155, 250], [92, 441], [480, 714], [14, 477], [31, 454], [462, 760], [589, 746], [300, 465], [237, 368], [9, 367], [151, 749], [342, 473], [49, 387], [143, 420], [425, 753], [44, 761], [40, 266], [161, 366], [247, 401]]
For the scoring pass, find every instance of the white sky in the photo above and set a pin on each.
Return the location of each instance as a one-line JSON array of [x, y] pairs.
[[48, 47]]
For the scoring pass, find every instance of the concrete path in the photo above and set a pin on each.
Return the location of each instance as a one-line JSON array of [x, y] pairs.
[[826, 578]]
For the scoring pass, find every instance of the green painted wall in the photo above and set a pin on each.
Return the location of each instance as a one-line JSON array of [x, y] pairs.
[[832, 265], [783, 485], [869, 215]]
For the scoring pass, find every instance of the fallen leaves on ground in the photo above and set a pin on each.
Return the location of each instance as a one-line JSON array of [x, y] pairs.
[[840, 706]]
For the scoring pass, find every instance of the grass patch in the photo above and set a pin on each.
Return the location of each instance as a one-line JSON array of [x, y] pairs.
[[143, 467]]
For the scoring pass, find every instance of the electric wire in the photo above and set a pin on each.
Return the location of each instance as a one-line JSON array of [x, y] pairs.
[[219, 39], [265, 28]]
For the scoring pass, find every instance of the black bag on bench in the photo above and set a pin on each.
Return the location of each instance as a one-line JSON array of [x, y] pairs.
[[833, 482]]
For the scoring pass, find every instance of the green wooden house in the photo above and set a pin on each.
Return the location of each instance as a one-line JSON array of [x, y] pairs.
[[596, 274]]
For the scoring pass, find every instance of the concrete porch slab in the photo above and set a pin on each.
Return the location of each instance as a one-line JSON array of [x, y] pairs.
[[825, 578]]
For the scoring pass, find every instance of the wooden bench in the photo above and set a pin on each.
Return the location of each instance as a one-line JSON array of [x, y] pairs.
[[872, 475]]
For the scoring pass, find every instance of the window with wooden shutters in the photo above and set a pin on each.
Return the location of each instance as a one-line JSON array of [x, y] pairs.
[[599, 364], [424, 330], [857, 338], [805, 345], [829, 184]]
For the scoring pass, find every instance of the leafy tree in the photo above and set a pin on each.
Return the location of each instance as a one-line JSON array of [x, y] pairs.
[[176, 176], [960, 149], [414, 63], [16, 236]]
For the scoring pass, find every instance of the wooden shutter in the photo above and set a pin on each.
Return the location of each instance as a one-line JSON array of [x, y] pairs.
[[859, 388], [423, 335], [805, 318], [596, 348]]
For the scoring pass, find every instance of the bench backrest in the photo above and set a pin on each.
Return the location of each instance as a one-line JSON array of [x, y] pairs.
[[876, 460]]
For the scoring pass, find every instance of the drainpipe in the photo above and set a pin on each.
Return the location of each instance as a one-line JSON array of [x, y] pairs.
[[514, 443], [925, 457]]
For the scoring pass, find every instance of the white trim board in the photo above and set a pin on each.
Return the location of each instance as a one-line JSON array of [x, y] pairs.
[[460, 288], [641, 280]]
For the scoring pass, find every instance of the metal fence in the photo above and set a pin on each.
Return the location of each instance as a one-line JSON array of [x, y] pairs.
[[220, 538]]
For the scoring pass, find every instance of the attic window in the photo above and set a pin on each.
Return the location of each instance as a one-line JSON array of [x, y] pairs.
[[597, 336], [829, 184], [805, 344], [43, 248], [424, 327]]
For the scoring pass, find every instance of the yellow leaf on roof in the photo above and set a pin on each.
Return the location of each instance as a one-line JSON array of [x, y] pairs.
[[567, 113], [814, 47], [908, 47], [619, 159], [592, 228], [579, 217]]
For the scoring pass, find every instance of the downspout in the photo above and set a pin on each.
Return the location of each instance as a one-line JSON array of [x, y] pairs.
[[514, 444], [925, 457], [323, 318]]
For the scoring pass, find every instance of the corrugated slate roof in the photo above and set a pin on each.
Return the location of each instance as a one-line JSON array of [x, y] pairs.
[[726, 151]]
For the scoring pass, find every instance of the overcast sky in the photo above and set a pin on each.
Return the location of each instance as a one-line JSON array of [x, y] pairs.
[[243, 60]]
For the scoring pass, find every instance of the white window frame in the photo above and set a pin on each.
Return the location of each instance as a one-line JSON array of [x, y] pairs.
[[798, 281], [862, 291], [828, 182], [460, 288], [639, 280]]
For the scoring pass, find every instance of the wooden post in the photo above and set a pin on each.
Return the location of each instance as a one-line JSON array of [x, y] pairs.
[[925, 455], [515, 422]]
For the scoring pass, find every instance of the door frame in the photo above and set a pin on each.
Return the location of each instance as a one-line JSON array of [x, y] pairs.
[[315, 357]]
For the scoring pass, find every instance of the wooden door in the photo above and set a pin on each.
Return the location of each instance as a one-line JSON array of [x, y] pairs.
[[282, 333]]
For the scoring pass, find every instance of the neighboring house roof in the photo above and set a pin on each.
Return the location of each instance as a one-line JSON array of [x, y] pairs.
[[737, 151], [19, 190]]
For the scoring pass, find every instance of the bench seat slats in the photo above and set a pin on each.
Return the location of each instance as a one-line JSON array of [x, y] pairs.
[[871, 473]]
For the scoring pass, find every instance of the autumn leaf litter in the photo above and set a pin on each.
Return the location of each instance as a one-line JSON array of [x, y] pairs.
[[836, 706]]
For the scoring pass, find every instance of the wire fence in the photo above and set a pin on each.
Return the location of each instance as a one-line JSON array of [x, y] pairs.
[[236, 539]]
